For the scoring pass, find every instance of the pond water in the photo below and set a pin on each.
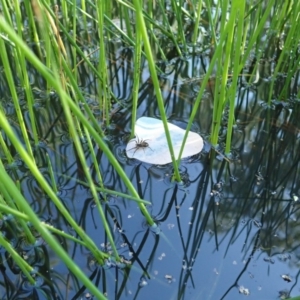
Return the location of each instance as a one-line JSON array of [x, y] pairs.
[[228, 231]]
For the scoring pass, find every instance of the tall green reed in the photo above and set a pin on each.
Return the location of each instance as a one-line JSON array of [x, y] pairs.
[[142, 27], [46, 235]]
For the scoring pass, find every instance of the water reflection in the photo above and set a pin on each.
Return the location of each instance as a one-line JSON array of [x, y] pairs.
[[228, 228]]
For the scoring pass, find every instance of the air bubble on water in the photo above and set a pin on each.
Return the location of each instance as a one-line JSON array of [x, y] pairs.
[[171, 226], [169, 278], [233, 179], [88, 295], [216, 271], [162, 256], [108, 264], [244, 291], [143, 282]]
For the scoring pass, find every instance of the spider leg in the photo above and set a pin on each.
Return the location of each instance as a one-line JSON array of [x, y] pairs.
[[135, 147]]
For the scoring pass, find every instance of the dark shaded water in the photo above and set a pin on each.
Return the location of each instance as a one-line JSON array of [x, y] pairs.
[[228, 230]]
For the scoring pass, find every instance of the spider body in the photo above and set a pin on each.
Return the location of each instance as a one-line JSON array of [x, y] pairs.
[[140, 144]]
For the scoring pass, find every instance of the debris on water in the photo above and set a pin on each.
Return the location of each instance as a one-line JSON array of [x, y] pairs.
[[269, 260], [295, 197], [169, 278], [150, 144], [284, 295], [244, 291], [257, 223], [143, 282], [284, 256], [170, 226], [286, 278], [162, 256]]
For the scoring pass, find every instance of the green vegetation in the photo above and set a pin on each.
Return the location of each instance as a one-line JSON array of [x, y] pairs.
[[54, 42]]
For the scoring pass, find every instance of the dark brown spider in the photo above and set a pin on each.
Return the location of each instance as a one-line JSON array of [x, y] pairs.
[[140, 144]]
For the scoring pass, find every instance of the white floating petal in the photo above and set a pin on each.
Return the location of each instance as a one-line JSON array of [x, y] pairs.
[[150, 144]]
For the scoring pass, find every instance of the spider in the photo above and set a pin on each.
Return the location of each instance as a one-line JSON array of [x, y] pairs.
[[140, 144]]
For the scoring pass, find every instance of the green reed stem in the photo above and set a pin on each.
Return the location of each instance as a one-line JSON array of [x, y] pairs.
[[56, 84], [5, 150], [125, 12], [30, 239], [136, 78], [23, 76], [141, 26], [255, 33], [32, 10], [221, 97], [46, 235], [103, 84], [110, 192], [168, 31], [52, 177], [18, 215], [290, 48], [217, 55], [197, 22], [237, 51], [44, 184], [24, 266], [15, 98], [94, 190]]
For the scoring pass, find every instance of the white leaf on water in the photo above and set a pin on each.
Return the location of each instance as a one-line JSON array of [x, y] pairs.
[[150, 132]]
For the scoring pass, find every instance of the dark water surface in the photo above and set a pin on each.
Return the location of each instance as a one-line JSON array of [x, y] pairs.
[[228, 231]]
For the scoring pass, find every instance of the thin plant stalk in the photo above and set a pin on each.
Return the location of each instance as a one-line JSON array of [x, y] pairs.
[[141, 26], [46, 235], [15, 98], [56, 84], [221, 99], [286, 51], [24, 266], [197, 22], [136, 78], [46, 187], [239, 7], [23, 75], [103, 84], [52, 177], [206, 78]]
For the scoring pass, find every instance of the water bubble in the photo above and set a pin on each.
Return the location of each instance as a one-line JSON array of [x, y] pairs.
[[169, 278], [244, 291], [143, 282]]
